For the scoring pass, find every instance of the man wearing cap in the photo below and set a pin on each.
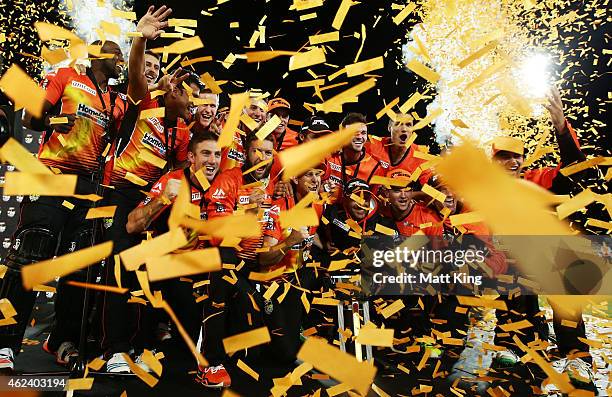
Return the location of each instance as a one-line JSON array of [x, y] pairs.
[[509, 153], [289, 252], [314, 127], [284, 136], [406, 212], [351, 218], [407, 216], [354, 161]]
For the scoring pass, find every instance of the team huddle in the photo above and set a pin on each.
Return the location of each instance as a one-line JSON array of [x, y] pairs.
[[141, 146]]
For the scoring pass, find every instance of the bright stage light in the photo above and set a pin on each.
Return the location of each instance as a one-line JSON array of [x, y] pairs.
[[534, 74]]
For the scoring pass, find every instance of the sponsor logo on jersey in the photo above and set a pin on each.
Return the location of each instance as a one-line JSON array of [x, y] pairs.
[[83, 87], [195, 196], [157, 188], [92, 114], [236, 155], [335, 179], [341, 225], [219, 208], [219, 194], [156, 123], [151, 140], [383, 164], [335, 167], [243, 200]]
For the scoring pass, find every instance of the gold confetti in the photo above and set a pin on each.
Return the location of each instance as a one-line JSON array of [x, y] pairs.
[[23, 184], [129, 15], [306, 59], [423, 71], [238, 102], [268, 127], [363, 67], [375, 337], [181, 46], [191, 23], [44, 271], [151, 158], [300, 158], [324, 38], [341, 13], [135, 179], [101, 212], [14, 153], [245, 340], [150, 113], [24, 92], [183, 264], [134, 257], [478, 54], [334, 104], [399, 18], [393, 308], [341, 366]]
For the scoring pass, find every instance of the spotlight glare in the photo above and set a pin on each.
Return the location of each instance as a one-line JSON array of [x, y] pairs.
[[535, 75]]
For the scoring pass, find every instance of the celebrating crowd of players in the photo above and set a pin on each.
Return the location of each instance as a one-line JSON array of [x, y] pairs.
[[109, 146]]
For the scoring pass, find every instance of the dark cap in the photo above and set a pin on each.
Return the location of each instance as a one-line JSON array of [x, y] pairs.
[[356, 185], [316, 125]]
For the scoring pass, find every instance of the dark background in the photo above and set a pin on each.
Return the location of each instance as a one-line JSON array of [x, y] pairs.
[[581, 41]]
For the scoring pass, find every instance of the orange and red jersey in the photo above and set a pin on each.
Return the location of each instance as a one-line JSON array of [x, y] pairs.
[[230, 193], [365, 168], [420, 218], [79, 150], [569, 149], [298, 253], [233, 155], [408, 162], [495, 259], [148, 135], [198, 197], [287, 139]]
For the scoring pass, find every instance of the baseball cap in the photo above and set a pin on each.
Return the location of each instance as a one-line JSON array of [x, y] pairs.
[[356, 185], [316, 125], [403, 176], [508, 144], [278, 103]]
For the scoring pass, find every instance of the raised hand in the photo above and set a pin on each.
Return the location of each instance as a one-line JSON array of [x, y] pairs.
[[555, 108], [169, 82], [151, 25]]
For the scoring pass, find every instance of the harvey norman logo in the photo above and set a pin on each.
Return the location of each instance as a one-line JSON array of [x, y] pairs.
[[335, 167], [153, 141], [97, 117]]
